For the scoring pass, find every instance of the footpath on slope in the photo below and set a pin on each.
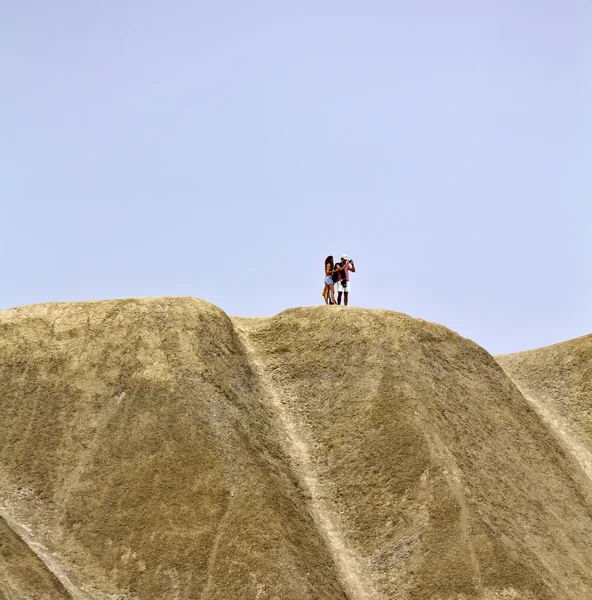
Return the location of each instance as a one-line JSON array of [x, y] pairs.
[[351, 575]]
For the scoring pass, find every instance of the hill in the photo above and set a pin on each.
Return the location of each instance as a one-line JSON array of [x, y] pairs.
[[557, 380], [157, 448]]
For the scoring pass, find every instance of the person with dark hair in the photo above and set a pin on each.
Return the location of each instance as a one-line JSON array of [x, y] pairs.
[[329, 290], [343, 268]]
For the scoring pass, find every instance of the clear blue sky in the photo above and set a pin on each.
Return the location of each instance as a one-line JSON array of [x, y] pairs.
[[223, 149]]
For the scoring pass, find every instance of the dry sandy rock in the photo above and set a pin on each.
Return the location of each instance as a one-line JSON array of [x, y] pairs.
[[557, 381], [157, 448]]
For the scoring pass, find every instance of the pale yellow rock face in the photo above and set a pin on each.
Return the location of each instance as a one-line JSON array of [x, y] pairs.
[[157, 448]]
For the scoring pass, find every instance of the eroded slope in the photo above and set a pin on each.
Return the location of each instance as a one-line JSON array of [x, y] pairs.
[[156, 448], [22, 573], [445, 482], [560, 378], [138, 453]]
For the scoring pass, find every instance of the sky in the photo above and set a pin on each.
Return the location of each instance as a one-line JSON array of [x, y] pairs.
[[223, 149]]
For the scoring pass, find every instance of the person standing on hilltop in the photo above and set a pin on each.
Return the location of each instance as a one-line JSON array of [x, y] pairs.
[[329, 290], [343, 268]]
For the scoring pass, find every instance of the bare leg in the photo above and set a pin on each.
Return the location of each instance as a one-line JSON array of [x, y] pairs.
[[345, 297], [338, 297], [326, 294], [332, 293]]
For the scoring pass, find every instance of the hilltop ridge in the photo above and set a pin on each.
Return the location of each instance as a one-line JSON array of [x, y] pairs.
[[158, 448]]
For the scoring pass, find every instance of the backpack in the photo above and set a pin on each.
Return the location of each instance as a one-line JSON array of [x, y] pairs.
[[336, 275]]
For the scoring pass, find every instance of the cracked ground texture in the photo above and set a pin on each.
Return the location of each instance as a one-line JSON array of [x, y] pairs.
[[157, 448]]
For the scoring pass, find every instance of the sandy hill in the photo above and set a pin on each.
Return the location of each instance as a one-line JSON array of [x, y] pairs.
[[157, 448], [557, 380]]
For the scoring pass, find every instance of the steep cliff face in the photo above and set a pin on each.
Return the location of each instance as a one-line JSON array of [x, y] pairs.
[[157, 448]]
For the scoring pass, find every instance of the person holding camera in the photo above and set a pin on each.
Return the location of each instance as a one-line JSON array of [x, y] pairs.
[[343, 268]]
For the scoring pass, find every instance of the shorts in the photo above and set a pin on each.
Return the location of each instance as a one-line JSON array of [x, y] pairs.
[[340, 287], [329, 281]]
